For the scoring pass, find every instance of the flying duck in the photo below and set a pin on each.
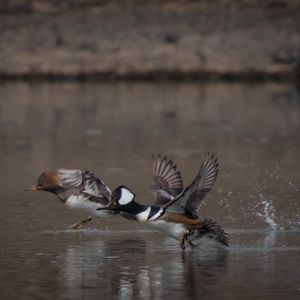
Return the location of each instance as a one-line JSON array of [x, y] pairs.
[[175, 209], [78, 190]]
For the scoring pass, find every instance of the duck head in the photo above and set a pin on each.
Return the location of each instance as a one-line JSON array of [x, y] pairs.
[[122, 199], [47, 181]]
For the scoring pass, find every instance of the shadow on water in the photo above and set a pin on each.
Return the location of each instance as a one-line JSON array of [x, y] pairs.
[[112, 129]]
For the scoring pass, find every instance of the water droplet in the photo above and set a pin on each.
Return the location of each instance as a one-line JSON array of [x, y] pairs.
[[268, 212]]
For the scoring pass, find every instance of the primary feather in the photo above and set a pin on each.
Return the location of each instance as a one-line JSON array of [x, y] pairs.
[[189, 200], [94, 186], [167, 180]]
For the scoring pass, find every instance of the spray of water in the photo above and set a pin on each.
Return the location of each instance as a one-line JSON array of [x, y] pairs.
[[268, 212]]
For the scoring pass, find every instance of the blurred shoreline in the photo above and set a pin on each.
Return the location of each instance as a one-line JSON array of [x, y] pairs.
[[150, 40]]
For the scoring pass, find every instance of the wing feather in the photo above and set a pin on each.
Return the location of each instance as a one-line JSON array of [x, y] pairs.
[[70, 178], [167, 180], [95, 187], [189, 200], [85, 182]]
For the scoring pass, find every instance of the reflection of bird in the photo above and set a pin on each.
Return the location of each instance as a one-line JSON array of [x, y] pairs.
[[175, 210], [78, 190]]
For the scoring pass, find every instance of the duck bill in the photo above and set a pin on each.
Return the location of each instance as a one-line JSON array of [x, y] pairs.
[[103, 208], [33, 189]]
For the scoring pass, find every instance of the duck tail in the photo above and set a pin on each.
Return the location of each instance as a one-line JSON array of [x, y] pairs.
[[215, 231]]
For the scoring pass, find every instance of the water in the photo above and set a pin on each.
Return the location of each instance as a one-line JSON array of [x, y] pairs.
[[112, 129], [268, 213]]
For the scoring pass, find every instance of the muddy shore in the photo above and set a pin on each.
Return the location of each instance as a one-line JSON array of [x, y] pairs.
[[246, 40]]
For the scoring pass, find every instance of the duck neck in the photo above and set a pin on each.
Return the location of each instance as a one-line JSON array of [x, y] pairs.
[[134, 208], [61, 193]]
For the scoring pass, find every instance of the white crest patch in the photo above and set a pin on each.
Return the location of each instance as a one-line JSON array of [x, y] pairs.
[[126, 196]]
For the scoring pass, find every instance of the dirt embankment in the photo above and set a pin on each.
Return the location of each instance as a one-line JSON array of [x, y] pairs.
[[150, 39]]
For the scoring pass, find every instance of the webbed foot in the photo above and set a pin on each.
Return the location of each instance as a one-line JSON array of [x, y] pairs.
[[80, 224]]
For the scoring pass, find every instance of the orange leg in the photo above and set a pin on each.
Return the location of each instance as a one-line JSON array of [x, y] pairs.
[[182, 240], [80, 224]]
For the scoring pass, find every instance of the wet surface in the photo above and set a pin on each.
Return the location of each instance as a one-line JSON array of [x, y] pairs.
[[112, 129]]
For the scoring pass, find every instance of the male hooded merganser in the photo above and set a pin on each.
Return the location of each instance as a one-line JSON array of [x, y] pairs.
[[78, 190], [174, 213]]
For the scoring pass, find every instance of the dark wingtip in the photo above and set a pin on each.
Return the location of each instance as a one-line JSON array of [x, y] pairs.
[[220, 235], [155, 156], [211, 156]]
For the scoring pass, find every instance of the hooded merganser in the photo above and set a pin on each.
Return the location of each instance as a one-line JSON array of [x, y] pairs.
[[78, 190], [175, 214], [84, 192]]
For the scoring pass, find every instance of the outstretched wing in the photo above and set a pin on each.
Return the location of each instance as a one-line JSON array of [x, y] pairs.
[[70, 178], [95, 187], [194, 194], [85, 182], [167, 180]]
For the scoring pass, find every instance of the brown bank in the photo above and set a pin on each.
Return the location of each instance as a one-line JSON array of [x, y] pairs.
[[150, 39]]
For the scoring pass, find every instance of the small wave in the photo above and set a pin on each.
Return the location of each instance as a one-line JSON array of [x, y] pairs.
[[260, 231], [263, 249]]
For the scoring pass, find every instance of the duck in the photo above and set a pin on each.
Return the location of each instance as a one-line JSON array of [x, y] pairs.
[[175, 208], [79, 190], [83, 192]]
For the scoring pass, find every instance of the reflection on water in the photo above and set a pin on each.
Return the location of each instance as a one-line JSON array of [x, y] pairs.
[[113, 129], [133, 265]]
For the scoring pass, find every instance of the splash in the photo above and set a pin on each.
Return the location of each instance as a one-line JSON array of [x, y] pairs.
[[268, 212]]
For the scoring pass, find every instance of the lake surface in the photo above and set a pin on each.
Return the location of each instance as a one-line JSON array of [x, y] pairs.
[[112, 129]]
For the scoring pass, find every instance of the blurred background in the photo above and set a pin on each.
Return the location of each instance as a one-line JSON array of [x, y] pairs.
[[149, 39], [100, 86]]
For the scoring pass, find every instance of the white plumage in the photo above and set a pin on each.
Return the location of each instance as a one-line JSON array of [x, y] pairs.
[[126, 196], [174, 230], [81, 204], [143, 216]]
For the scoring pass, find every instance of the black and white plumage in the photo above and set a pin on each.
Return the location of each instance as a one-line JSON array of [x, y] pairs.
[[178, 216], [123, 199]]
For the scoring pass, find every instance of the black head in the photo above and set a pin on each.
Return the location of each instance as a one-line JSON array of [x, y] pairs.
[[122, 199]]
